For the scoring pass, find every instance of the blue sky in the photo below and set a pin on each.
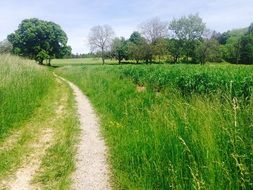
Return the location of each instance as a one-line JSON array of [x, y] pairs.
[[77, 16]]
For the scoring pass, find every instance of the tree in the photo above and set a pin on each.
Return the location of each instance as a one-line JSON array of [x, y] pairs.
[[39, 40], [160, 48], [134, 51], [246, 47], [175, 48], [100, 39], [154, 29], [250, 29], [136, 47], [231, 50], [5, 47], [119, 49], [189, 30], [136, 38], [207, 50]]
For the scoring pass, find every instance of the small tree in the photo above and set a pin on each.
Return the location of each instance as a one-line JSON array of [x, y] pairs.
[[119, 49], [136, 38], [100, 39], [231, 50], [246, 47], [207, 50], [175, 48], [135, 49], [160, 48], [5, 47], [39, 40]]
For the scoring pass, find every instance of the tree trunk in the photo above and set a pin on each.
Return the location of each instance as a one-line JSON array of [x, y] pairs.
[[49, 62], [103, 56]]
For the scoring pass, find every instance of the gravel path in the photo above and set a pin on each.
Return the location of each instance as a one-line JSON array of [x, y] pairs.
[[92, 171]]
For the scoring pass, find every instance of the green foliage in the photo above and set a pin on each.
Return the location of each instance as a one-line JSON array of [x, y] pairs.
[[39, 40], [195, 79], [138, 48], [208, 50], [250, 29], [232, 50], [18, 97], [136, 38], [246, 49], [159, 139], [119, 49], [160, 48], [175, 48], [188, 30]]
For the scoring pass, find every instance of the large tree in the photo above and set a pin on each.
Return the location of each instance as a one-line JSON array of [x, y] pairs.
[[188, 29], [40, 40], [100, 39]]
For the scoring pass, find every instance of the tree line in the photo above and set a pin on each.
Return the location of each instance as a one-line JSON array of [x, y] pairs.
[[185, 40]]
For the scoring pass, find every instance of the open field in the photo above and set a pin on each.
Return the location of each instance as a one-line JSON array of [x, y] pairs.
[[126, 95], [166, 126], [173, 126], [81, 61]]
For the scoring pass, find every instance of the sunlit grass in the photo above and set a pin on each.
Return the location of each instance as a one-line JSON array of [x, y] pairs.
[[82, 61], [162, 139], [22, 86]]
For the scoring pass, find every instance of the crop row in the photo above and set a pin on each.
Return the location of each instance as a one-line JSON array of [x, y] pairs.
[[234, 81]]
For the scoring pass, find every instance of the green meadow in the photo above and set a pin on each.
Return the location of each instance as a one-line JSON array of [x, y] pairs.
[[173, 126], [166, 126]]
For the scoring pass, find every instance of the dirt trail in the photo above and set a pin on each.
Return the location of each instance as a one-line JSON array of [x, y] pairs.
[[24, 175], [92, 171], [39, 136]]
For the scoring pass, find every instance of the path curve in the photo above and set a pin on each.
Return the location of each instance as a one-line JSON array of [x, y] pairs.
[[92, 170]]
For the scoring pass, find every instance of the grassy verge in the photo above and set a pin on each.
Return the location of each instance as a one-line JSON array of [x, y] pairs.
[[58, 163], [160, 139], [34, 102], [23, 84]]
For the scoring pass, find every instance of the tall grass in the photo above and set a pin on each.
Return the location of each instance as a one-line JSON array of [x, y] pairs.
[[22, 86], [160, 139]]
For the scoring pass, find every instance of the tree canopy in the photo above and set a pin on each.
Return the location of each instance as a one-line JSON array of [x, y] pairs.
[[40, 40]]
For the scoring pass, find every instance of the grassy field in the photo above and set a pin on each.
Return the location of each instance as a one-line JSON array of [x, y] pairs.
[[22, 87], [81, 61], [173, 126], [166, 126], [39, 126]]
